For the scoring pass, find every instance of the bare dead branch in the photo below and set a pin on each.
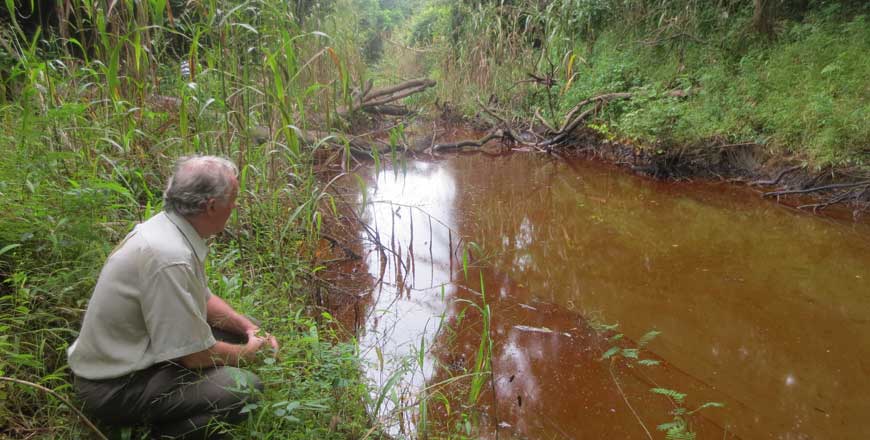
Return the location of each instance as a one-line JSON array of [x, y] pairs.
[[388, 109], [492, 113], [468, 143], [563, 134], [414, 83], [378, 97], [775, 180], [544, 122], [817, 189], [606, 97]]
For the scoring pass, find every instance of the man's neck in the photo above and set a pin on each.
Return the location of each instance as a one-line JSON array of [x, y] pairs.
[[199, 224]]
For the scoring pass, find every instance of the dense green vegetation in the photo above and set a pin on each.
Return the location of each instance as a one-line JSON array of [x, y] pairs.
[[787, 75], [92, 115]]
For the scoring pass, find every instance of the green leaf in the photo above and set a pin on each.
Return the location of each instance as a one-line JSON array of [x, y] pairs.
[[648, 337], [708, 405], [648, 362], [248, 408], [609, 353], [9, 247], [677, 396]]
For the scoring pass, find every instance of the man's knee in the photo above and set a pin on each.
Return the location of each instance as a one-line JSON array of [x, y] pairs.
[[230, 388]]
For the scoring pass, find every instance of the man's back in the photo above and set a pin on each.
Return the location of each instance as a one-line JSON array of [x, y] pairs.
[[149, 304]]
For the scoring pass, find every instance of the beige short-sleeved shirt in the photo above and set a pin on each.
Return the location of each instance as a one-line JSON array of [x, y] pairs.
[[149, 304]]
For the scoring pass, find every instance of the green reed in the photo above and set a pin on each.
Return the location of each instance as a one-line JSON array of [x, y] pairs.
[[87, 142]]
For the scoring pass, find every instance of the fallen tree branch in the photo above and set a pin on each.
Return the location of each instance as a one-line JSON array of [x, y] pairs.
[[563, 134], [491, 112], [816, 189], [378, 97], [605, 98], [775, 181], [556, 136], [544, 121], [388, 109], [833, 201], [468, 143], [401, 86], [396, 96]]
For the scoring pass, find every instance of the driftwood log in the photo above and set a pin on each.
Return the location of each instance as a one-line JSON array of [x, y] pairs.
[[377, 100]]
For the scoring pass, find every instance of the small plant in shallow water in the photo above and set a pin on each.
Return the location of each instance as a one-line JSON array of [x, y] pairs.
[[678, 428]]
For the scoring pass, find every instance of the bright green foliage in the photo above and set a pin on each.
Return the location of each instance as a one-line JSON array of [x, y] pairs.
[[679, 427], [803, 90], [86, 144]]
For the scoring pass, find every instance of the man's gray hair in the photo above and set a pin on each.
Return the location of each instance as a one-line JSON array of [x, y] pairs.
[[195, 180]]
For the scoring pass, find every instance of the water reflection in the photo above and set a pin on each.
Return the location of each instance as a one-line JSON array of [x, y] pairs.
[[413, 264], [759, 308]]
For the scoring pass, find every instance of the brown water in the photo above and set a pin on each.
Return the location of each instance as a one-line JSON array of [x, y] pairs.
[[761, 308]]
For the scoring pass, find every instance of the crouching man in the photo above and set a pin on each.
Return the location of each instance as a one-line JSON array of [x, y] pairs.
[[156, 346]]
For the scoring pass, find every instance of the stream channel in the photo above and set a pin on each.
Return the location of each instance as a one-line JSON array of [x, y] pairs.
[[760, 308]]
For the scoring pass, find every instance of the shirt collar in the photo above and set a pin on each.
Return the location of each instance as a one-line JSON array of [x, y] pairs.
[[200, 248]]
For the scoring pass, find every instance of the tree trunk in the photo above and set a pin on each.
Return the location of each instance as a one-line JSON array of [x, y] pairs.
[[764, 16]]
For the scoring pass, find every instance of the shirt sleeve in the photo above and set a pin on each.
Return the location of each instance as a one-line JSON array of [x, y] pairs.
[[173, 307]]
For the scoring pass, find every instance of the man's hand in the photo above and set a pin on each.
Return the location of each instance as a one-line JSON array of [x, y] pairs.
[[254, 344], [256, 333]]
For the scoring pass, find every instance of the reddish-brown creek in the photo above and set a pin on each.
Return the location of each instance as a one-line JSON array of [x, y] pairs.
[[761, 308]]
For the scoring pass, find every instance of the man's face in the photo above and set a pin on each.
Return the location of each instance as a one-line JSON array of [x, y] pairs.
[[220, 211]]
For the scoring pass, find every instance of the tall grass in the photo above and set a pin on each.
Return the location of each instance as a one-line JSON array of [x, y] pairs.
[[93, 114], [801, 91]]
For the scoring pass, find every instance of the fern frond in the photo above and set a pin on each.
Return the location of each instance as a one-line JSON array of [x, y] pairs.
[[630, 353], [609, 353], [708, 405], [677, 396]]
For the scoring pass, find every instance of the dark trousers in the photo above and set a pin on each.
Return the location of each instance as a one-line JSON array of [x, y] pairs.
[[175, 401]]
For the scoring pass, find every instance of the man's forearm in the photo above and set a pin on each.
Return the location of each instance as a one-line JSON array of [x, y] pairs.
[[222, 316], [221, 353]]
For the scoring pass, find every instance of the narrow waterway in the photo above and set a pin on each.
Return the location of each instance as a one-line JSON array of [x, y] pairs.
[[761, 308]]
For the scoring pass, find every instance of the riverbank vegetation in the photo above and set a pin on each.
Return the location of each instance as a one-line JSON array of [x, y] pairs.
[[97, 100], [786, 77]]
